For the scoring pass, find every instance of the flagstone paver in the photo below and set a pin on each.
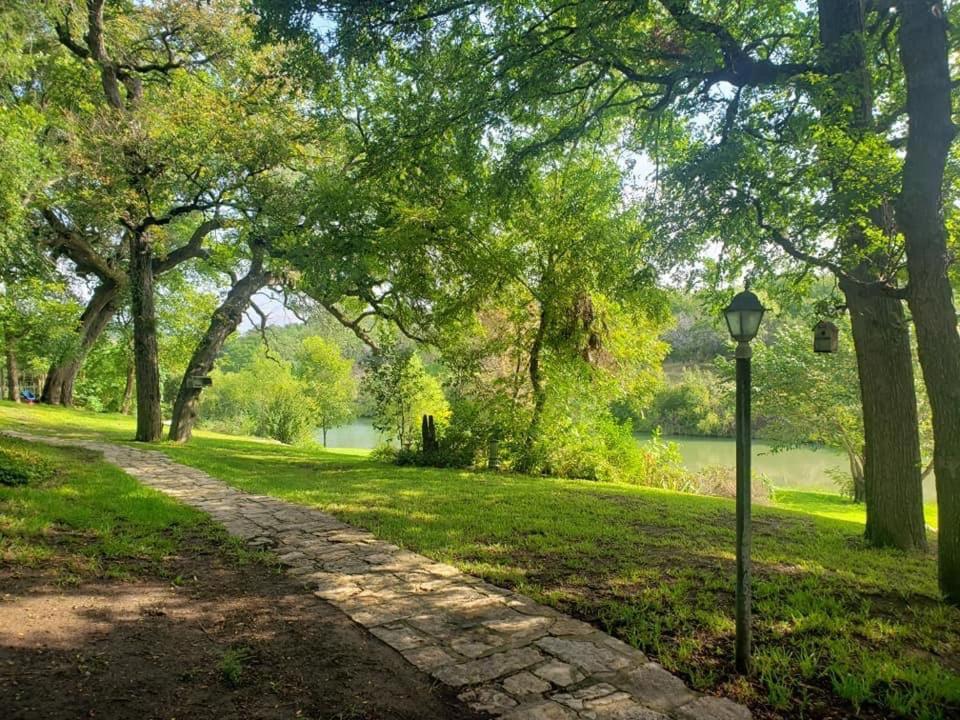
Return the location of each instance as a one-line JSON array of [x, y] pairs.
[[511, 656]]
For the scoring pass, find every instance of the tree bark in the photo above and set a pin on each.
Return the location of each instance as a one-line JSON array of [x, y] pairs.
[[539, 395], [13, 374], [892, 484], [58, 388], [145, 354], [924, 54], [127, 402], [225, 320]]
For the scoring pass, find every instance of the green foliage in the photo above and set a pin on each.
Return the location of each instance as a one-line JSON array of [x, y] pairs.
[[698, 403], [264, 399], [102, 380], [282, 399], [233, 663], [286, 340], [37, 317], [329, 381], [568, 327], [402, 394], [806, 396], [598, 447], [697, 335], [184, 307], [24, 164]]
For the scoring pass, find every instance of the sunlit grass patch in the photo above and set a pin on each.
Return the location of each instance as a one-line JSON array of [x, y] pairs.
[[88, 518]]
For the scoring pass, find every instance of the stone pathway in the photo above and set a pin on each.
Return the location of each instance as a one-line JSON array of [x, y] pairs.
[[509, 656]]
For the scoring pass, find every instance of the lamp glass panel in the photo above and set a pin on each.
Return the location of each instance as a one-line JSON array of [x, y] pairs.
[[750, 323], [733, 323]]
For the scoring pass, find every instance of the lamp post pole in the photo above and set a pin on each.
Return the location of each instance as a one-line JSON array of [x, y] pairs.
[[744, 535], [743, 317]]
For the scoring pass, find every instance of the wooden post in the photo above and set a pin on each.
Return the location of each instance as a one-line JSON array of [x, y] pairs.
[[493, 454]]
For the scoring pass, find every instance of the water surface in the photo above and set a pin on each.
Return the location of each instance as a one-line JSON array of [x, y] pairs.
[[800, 468]]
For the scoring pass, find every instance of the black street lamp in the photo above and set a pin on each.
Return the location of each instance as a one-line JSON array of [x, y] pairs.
[[743, 317]]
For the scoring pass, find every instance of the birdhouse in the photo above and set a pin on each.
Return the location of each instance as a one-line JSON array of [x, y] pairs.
[[825, 337]]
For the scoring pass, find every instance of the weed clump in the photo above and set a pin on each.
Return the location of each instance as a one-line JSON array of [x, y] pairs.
[[19, 465]]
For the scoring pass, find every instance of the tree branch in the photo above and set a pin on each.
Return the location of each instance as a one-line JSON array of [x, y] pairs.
[[261, 328], [80, 250], [881, 286], [193, 248], [353, 325]]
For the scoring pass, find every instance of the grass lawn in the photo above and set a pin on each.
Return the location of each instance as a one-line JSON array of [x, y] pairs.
[[832, 505], [80, 518], [839, 627]]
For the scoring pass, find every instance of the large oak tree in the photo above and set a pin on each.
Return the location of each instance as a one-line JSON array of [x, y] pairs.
[[168, 114]]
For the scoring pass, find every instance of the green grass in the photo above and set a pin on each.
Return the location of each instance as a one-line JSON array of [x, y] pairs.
[[85, 518], [837, 625], [837, 507]]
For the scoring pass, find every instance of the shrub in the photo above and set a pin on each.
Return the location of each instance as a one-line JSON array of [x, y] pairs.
[[283, 414], [695, 405], [602, 448], [384, 453], [19, 465], [473, 423], [264, 399], [721, 480]]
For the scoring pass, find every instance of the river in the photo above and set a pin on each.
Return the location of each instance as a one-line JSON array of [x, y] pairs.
[[801, 468]]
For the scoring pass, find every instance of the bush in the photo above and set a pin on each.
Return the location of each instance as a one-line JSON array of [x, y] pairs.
[[398, 455], [721, 480], [19, 465], [473, 423], [599, 447], [696, 405], [264, 399], [283, 414]]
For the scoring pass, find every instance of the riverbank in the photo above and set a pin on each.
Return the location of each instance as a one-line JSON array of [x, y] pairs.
[[840, 628], [804, 468]]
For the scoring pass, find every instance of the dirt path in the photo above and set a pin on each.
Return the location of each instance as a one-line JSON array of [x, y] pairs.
[[504, 653], [225, 641]]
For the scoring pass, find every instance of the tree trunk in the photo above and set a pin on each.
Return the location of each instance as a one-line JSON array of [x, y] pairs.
[[145, 354], [58, 388], [893, 489], [855, 459], [13, 374], [539, 395], [225, 320], [324, 435], [923, 52], [859, 488], [127, 402]]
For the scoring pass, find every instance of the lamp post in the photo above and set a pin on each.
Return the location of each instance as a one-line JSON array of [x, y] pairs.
[[743, 317]]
